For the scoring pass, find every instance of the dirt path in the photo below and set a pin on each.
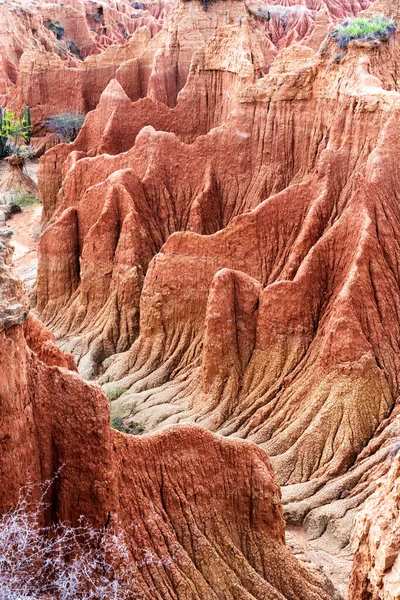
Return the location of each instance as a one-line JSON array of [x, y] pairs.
[[335, 565], [26, 227]]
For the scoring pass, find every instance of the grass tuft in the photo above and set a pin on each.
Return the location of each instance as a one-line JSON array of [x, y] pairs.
[[363, 29], [129, 428], [113, 394], [24, 198]]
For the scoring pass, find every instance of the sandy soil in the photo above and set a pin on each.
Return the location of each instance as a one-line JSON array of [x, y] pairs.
[[335, 565], [26, 228]]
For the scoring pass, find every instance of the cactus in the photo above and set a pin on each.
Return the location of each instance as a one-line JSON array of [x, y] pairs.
[[12, 129], [27, 114], [27, 124], [1, 138]]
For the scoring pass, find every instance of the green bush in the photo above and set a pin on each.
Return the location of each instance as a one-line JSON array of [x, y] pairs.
[[24, 198], [66, 125], [364, 29], [131, 428], [113, 394], [57, 29]]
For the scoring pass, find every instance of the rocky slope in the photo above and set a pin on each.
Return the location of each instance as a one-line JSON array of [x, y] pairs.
[[205, 509], [219, 248], [147, 48], [242, 261], [376, 538], [59, 56]]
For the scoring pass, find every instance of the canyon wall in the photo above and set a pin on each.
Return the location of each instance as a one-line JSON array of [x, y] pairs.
[[59, 57], [219, 249], [237, 267], [376, 540], [206, 509]]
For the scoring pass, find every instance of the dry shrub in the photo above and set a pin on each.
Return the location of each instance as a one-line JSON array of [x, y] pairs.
[[62, 562]]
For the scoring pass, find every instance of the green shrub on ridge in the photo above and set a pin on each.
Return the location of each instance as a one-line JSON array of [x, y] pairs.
[[363, 29]]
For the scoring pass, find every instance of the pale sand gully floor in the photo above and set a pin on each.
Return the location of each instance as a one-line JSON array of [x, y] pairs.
[[26, 230], [25, 226], [333, 563]]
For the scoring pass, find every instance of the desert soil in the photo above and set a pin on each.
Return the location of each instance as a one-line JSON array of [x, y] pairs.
[[26, 228]]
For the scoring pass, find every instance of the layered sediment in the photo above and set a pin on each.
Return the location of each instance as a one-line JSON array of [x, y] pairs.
[[240, 268], [206, 509], [376, 567], [59, 57], [220, 249]]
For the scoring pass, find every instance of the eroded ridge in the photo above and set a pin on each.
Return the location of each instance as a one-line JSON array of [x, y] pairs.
[[239, 270], [199, 513]]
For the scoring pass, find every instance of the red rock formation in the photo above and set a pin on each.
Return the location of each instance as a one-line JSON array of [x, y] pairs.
[[284, 25], [43, 344], [16, 178], [206, 509], [232, 58], [157, 68], [107, 126], [269, 309], [376, 539], [236, 247], [50, 83], [49, 74], [49, 86]]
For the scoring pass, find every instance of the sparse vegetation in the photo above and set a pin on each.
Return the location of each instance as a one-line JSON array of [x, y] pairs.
[[125, 422], [278, 10], [337, 58], [60, 561], [205, 4], [324, 49], [57, 29], [23, 198], [73, 49], [131, 428], [66, 125], [113, 394], [371, 29], [24, 152], [124, 31]]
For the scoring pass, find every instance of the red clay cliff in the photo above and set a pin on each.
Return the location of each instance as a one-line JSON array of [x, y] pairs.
[[207, 509]]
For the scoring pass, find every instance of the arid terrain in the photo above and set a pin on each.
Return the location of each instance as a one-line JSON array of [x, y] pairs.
[[200, 296]]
